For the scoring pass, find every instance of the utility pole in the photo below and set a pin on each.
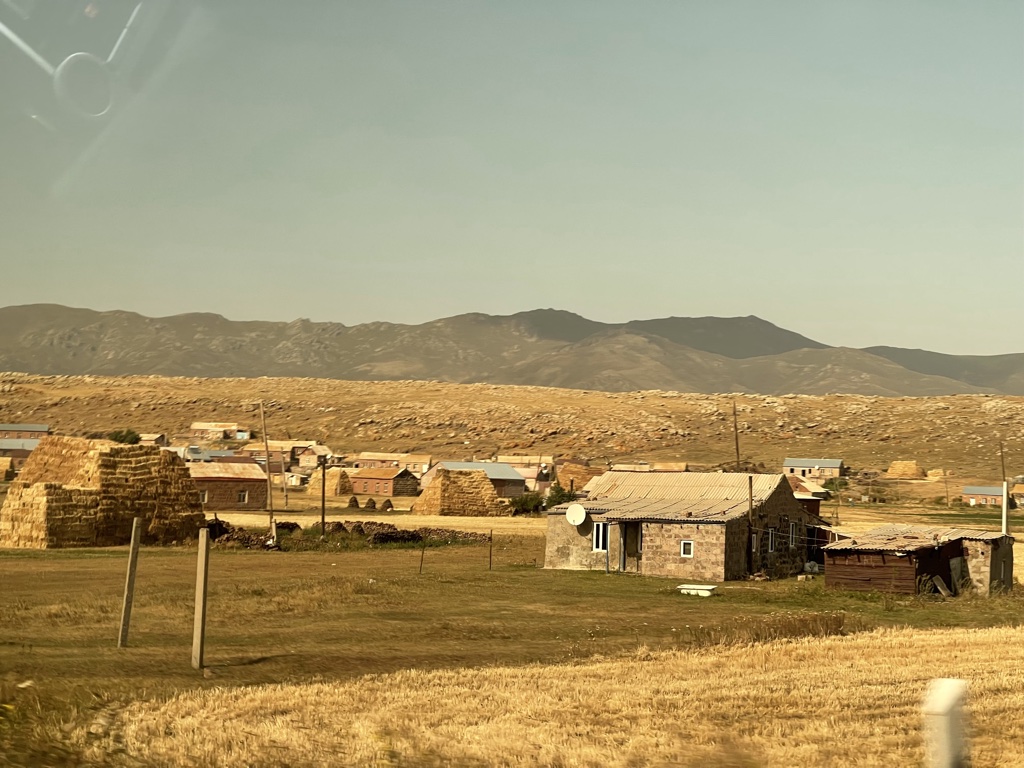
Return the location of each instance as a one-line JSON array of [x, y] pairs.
[[945, 480], [266, 452], [736, 434], [323, 496]]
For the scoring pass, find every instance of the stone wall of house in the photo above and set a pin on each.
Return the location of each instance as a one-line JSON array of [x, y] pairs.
[[460, 492], [989, 564], [662, 551], [75, 493], [338, 483], [777, 512], [224, 494], [572, 546]]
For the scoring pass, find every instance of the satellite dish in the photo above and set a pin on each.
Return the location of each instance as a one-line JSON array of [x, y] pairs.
[[576, 514]]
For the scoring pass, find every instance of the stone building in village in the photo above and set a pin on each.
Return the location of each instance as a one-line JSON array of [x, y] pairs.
[[698, 526], [84, 493]]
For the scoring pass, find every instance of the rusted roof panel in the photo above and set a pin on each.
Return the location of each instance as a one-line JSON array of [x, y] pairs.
[[681, 486], [910, 538]]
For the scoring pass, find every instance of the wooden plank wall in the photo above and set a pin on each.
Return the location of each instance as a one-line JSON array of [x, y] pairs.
[[871, 571]]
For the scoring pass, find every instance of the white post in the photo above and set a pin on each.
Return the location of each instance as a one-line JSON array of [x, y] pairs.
[[1006, 505], [945, 743]]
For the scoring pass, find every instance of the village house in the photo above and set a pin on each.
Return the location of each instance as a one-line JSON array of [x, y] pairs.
[[154, 438], [224, 485], [519, 461], [909, 559], [308, 457], [656, 466], [24, 431], [808, 493], [983, 495], [218, 430], [538, 479], [195, 453], [698, 526], [819, 470], [17, 450], [506, 481], [417, 463], [392, 481], [283, 453]]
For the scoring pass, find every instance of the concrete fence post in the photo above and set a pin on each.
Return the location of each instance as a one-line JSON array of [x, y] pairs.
[[945, 740], [199, 622], [129, 583]]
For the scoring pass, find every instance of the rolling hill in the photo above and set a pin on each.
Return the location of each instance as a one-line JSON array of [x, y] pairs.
[[544, 347]]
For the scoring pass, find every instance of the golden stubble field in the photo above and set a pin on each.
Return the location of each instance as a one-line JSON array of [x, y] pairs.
[[818, 701], [959, 433]]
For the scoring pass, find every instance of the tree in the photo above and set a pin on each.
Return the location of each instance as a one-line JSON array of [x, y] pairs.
[[126, 436], [527, 504], [558, 495]]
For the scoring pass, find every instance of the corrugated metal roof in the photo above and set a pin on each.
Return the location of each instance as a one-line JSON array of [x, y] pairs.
[[226, 471], [215, 425], [983, 490], [494, 470], [404, 458], [909, 538], [680, 486], [25, 427], [22, 444], [812, 463], [377, 473], [673, 510]]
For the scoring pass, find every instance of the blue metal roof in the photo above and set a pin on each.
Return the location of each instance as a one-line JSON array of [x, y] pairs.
[[494, 470], [10, 444], [812, 463], [983, 490]]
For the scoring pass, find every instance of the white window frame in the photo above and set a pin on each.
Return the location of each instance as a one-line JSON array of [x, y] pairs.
[[243, 497], [792, 535], [753, 543], [203, 496], [686, 544], [771, 539], [600, 535]]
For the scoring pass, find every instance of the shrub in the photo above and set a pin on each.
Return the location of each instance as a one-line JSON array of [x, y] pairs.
[[527, 504], [558, 495], [125, 436]]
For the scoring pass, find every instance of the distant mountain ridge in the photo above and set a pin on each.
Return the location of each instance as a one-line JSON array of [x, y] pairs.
[[543, 347]]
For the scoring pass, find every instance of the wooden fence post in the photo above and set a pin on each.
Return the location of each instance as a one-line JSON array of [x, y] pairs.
[[199, 623], [945, 742], [129, 583]]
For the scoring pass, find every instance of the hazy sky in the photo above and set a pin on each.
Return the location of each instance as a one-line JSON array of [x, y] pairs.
[[853, 171]]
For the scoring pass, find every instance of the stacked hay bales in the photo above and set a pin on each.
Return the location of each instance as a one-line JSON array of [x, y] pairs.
[[6, 468], [85, 493], [466, 492], [905, 470], [577, 475], [338, 483]]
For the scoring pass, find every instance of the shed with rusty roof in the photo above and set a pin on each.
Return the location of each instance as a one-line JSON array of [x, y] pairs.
[[910, 559], [707, 526]]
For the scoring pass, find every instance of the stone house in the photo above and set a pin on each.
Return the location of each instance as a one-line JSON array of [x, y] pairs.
[[982, 495], [818, 470], [24, 431], [506, 481], [218, 430], [308, 457], [696, 526], [230, 485], [417, 463], [283, 453], [394, 481], [85, 493], [909, 559]]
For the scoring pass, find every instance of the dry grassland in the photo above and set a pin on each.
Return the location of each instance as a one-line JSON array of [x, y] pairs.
[[850, 700], [459, 421]]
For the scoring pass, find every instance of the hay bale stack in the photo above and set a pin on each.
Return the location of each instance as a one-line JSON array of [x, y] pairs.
[[338, 483], [936, 474], [577, 475], [6, 468], [353, 503], [905, 470], [466, 492], [85, 493]]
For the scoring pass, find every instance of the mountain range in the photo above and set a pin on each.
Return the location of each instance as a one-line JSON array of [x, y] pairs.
[[544, 347]]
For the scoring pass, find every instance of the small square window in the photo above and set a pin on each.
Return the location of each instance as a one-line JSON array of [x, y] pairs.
[[601, 537], [686, 549], [243, 497]]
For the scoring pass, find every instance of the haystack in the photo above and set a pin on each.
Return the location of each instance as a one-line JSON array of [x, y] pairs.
[[465, 492], [905, 470], [577, 475], [338, 483], [6, 468], [85, 493]]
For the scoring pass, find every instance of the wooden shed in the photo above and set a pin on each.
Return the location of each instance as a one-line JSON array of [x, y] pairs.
[[910, 559]]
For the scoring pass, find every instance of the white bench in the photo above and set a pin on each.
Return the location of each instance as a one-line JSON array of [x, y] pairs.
[[703, 590]]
